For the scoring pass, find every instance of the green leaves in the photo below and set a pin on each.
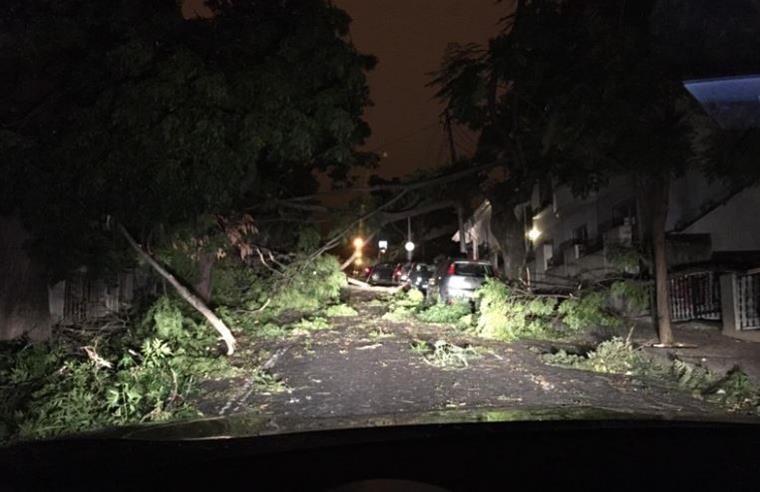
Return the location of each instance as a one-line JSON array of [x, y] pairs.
[[158, 120], [510, 314]]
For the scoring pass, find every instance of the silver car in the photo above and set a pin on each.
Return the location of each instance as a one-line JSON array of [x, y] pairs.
[[459, 279]]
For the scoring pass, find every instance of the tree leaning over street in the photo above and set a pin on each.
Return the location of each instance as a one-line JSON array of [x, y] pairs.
[[584, 91], [130, 116]]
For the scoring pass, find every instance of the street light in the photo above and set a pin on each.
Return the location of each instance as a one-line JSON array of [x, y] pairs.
[[409, 246], [358, 243], [534, 234]]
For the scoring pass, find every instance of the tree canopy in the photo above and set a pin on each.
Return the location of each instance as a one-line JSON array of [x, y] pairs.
[[129, 111]]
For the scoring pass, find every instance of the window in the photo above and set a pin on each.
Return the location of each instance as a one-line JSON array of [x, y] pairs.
[[548, 254], [580, 234], [624, 213]]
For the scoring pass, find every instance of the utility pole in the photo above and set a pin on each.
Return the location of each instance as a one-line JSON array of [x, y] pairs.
[[409, 251], [450, 134], [453, 151]]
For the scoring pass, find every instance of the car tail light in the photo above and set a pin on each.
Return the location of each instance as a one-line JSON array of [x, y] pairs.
[[452, 270]]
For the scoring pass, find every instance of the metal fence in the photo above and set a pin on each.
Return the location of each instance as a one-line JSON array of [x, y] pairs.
[[86, 298], [748, 301], [695, 296]]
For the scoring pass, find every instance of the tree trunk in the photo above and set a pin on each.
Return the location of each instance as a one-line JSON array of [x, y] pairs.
[[204, 285], [659, 203], [24, 302], [184, 292], [508, 229], [348, 262], [460, 221], [354, 255]]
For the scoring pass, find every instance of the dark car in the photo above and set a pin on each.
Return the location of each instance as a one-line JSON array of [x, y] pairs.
[[401, 273], [382, 274], [458, 279], [420, 275]]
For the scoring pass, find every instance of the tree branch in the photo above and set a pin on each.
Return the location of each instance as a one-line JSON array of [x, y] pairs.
[[184, 292]]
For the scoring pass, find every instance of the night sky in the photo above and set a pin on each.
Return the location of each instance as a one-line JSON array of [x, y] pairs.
[[408, 37]]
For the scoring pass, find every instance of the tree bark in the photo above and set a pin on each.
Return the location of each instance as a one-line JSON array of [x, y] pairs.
[[184, 292], [508, 229], [460, 222], [659, 203], [204, 284], [24, 301]]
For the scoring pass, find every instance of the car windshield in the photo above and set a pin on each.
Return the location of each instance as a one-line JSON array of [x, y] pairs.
[[283, 215], [472, 269]]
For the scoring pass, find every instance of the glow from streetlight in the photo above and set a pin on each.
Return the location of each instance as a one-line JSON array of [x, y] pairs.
[[358, 262], [409, 246], [358, 243], [534, 234]]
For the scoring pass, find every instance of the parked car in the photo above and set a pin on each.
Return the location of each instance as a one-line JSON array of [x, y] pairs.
[[458, 279], [401, 273], [382, 274], [420, 276]]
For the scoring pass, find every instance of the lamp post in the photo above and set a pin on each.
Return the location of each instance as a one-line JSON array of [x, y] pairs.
[[409, 246]]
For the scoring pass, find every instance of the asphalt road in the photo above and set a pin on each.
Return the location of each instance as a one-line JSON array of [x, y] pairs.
[[364, 366]]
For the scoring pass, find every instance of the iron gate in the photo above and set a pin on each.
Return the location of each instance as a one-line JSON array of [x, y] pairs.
[[695, 296], [748, 301]]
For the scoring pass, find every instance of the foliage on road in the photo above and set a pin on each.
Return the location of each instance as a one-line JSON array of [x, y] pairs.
[[340, 310], [617, 356], [507, 313], [411, 305], [265, 304], [445, 313], [613, 356], [148, 373], [444, 354]]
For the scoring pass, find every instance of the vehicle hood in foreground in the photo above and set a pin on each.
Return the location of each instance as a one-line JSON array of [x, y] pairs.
[[246, 426]]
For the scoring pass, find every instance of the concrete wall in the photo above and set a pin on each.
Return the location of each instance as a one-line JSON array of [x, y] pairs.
[[734, 226]]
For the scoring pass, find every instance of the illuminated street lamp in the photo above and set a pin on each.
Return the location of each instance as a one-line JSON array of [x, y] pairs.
[[409, 246], [358, 243], [534, 234], [382, 244]]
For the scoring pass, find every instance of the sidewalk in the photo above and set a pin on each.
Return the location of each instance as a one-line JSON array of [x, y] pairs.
[[713, 350]]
